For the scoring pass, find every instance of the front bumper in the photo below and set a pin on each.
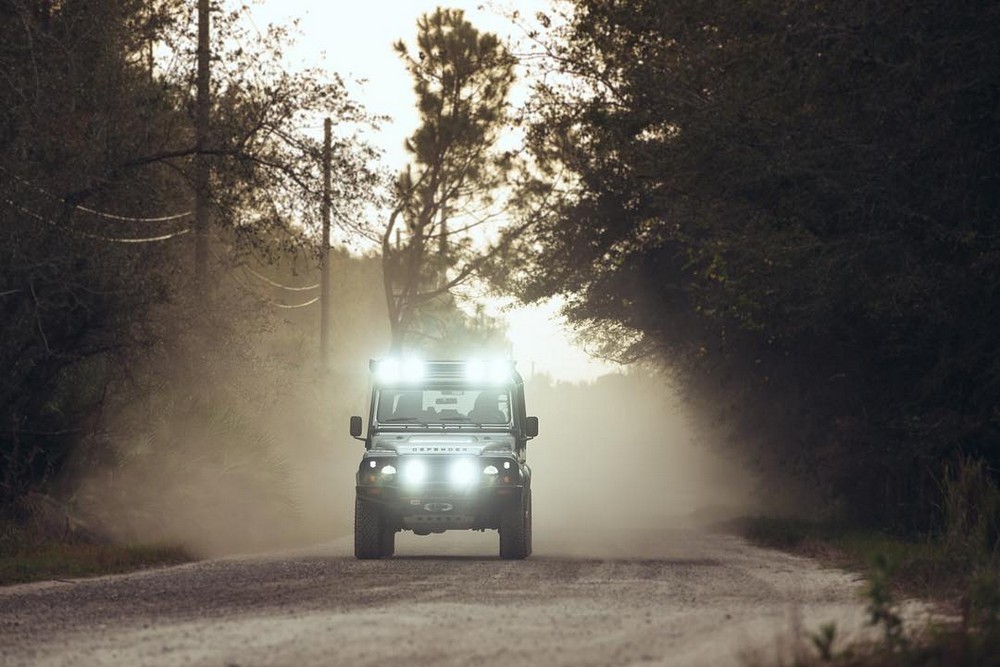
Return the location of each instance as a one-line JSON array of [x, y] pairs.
[[436, 504]]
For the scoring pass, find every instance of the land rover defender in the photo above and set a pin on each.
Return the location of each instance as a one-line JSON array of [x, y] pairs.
[[444, 450]]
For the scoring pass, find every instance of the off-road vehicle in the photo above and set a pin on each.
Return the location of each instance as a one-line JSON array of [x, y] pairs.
[[444, 450]]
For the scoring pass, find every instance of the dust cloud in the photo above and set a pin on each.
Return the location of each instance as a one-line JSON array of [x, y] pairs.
[[228, 437], [234, 441], [616, 458], [231, 475]]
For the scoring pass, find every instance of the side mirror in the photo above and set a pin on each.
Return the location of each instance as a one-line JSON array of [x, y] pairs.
[[356, 426], [531, 427]]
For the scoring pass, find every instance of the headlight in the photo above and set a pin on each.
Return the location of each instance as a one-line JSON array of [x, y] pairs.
[[415, 472], [389, 470], [462, 472], [490, 470]]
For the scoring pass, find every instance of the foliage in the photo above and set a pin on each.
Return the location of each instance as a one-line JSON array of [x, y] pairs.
[[940, 565], [437, 235], [882, 610], [966, 583], [823, 641], [73, 102], [96, 146], [266, 162], [793, 206], [28, 556], [972, 512]]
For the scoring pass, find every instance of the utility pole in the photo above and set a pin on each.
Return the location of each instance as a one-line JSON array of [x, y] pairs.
[[324, 307], [201, 187]]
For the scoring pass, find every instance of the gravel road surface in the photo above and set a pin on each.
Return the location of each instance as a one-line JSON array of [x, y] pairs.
[[673, 597]]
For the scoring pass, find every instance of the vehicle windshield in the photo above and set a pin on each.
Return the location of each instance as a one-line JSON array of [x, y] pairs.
[[465, 405]]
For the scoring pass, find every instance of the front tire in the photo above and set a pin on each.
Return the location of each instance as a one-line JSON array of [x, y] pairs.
[[388, 546], [369, 536], [515, 529]]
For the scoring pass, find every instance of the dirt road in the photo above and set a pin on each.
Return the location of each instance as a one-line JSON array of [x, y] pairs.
[[675, 597]]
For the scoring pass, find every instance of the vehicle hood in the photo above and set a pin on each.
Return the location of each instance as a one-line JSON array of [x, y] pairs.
[[444, 443]]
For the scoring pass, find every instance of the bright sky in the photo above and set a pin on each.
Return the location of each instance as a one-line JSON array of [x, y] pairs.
[[355, 40]]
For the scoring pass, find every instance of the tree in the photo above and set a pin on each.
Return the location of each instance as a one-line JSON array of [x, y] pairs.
[[76, 105], [96, 146], [457, 174], [794, 206]]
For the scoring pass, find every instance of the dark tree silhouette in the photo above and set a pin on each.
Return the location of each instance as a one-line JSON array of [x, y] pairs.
[[796, 207]]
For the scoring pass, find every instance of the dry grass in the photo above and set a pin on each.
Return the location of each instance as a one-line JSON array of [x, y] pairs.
[[960, 575], [26, 555]]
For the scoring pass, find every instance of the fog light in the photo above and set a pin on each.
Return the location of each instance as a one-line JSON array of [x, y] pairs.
[[462, 473], [415, 472]]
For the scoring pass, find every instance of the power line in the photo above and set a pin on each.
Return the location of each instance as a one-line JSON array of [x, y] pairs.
[[125, 218], [89, 235], [300, 305], [101, 214], [280, 285], [252, 292]]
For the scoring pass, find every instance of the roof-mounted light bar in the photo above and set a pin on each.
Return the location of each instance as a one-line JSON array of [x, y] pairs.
[[394, 371], [495, 371], [409, 370]]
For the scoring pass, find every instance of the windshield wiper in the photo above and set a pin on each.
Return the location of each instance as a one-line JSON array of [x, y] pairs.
[[400, 420]]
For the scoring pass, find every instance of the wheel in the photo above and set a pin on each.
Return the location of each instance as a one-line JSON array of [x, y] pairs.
[[369, 539], [515, 529], [528, 521], [388, 545]]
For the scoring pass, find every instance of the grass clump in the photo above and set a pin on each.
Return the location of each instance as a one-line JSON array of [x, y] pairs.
[[27, 554], [958, 567]]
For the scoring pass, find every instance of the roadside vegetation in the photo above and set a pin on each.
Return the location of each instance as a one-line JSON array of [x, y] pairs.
[[791, 208], [957, 568], [28, 554]]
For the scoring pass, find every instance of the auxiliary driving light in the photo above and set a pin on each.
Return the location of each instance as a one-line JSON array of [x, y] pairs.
[[415, 472], [496, 371], [391, 371], [413, 370], [462, 472]]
